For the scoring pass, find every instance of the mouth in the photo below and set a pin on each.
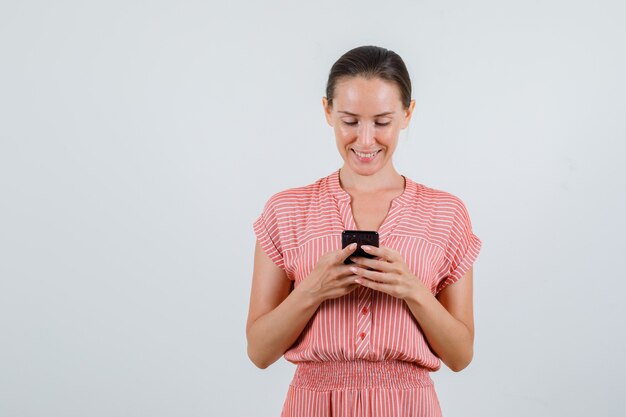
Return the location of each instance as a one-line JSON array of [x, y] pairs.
[[365, 157]]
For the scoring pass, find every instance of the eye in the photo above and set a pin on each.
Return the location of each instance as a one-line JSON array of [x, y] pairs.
[[349, 123], [383, 124]]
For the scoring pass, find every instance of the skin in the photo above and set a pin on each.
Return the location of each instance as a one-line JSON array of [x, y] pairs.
[[367, 116]]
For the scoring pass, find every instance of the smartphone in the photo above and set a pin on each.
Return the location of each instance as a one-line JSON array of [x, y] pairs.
[[361, 237]]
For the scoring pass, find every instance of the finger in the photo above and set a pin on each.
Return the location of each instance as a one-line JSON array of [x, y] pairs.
[[345, 252], [343, 290], [347, 279], [369, 274], [373, 250], [347, 284], [375, 264], [350, 288], [371, 284], [383, 252], [353, 287], [350, 281], [343, 270]]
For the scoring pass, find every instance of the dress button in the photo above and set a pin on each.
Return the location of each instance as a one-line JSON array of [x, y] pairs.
[[362, 336], [364, 311]]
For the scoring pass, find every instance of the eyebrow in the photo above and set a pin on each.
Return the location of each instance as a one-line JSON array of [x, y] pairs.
[[376, 115]]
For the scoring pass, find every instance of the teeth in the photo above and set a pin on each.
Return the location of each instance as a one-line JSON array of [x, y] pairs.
[[365, 155]]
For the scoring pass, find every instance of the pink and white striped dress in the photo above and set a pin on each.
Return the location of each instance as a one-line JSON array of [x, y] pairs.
[[364, 354]]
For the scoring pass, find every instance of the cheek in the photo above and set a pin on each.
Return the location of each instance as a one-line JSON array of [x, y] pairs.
[[389, 136], [343, 133]]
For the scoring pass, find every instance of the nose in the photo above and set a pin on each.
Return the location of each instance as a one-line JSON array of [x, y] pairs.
[[365, 135]]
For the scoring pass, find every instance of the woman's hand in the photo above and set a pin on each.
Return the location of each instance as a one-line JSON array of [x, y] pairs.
[[387, 273], [330, 278], [448, 325], [278, 314]]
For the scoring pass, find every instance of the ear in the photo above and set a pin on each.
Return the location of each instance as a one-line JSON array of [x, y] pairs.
[[408, 114], [327, 111]]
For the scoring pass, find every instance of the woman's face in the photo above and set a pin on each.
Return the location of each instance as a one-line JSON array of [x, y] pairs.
[[367, 116]]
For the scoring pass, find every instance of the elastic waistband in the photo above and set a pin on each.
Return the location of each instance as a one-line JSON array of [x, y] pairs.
[[321, 376]]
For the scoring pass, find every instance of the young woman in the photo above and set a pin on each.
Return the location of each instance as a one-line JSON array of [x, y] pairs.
[[364, 335]]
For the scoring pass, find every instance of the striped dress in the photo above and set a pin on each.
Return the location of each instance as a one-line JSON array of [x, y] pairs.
[[364, 354]]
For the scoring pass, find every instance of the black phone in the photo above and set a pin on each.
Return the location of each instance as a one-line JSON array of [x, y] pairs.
[[361, 237]]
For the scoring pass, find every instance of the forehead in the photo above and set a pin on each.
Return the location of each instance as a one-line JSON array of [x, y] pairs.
[[364, 96]]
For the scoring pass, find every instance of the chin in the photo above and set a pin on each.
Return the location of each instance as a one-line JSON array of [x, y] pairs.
[[364, 171]]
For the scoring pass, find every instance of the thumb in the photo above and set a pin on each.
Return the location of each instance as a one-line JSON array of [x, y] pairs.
[[347, 251]]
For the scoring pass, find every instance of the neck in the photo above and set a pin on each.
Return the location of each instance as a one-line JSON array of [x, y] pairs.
[[383, 179]]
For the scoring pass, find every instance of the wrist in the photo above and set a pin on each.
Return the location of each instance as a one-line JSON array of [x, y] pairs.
[[306, 297], [418, 295]]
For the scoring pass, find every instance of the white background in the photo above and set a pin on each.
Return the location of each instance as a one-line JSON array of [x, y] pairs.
[[139, 140]]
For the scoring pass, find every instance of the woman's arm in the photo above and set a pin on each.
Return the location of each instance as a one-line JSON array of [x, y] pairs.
[[447, 320], [277, 314]]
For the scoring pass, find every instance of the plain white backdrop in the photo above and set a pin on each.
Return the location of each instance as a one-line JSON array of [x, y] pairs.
[[139, 141]]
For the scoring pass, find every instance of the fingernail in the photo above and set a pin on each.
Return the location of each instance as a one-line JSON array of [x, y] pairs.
[[353, 269], [366, 247], [352, 245]]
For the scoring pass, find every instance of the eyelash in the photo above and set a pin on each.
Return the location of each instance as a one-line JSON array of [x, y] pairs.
[[377, 124]]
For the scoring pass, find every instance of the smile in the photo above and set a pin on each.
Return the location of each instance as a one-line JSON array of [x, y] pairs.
[[366, 155]]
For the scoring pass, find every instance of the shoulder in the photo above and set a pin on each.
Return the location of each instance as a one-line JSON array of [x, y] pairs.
[[297, 198], [436, 200], [440, 214]]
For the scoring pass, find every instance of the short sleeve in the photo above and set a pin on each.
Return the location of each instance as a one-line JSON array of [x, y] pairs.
[[462, 249], [268, 233]]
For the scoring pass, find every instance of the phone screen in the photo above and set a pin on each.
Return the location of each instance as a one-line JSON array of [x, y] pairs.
[[361, 237]]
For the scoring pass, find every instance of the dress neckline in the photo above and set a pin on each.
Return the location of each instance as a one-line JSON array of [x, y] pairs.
[[391, 219]]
